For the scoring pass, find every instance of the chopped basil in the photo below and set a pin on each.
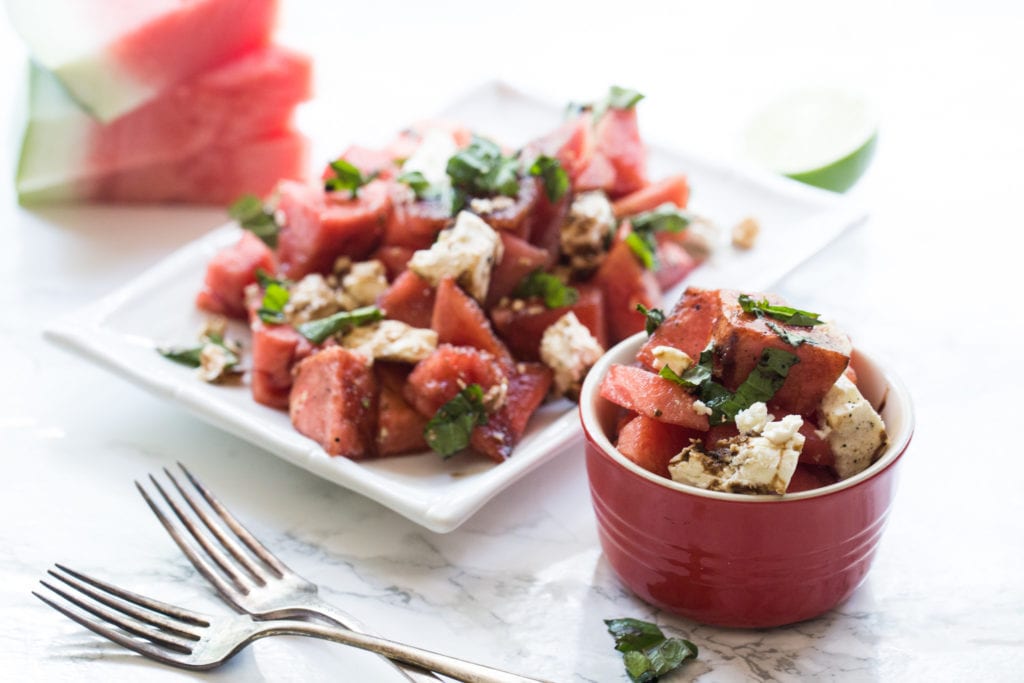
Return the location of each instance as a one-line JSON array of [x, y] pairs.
[[346, 177], [655, 317], [556, 180], [759, 386], [481, 169], [191, 355], [317, 331], [275, 297], [252, 214], [791, 338], [790, 316], [617, 98], [449, 430], [644, 247], [553, 291], [417, 182], [665, 218], [646, 651]]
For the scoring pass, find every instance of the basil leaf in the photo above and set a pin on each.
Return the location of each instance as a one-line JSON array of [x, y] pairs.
[[553, 291], [665, 218], [449, 430], [481, 169], [695, 376], [185, 355], [556, 180], [655, 317], [647, 652], [275, 297], [791, 338], [346, 177], [644, 247], [790, 316], [759, 386], [317, 331], [417, 182], [252, 215]]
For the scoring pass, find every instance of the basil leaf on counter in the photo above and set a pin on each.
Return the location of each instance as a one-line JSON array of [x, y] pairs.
[[647, 652], [449, 430], [553, 291], [252, 215], [655, 317], [346, 177], [317, 331], [556, 180], [790, 316]]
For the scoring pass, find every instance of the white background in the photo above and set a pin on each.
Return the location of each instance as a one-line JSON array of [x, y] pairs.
[[932, 282]]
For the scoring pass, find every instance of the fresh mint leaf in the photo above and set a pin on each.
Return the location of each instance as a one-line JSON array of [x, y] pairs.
[[252, 215], [318, 331], [346, 177], [482, 170], [553, 291], [655, 317], [790, 316], [646, 652], [449, 430], [556, 180]]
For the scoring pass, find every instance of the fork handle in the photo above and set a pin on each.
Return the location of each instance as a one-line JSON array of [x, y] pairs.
[[452, 667]]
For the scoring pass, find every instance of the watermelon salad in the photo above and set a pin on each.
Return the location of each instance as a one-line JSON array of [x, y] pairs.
[[432, 294], [700, 403]]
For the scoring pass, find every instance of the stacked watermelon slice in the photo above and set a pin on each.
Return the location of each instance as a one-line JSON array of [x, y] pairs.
[[157, 100]]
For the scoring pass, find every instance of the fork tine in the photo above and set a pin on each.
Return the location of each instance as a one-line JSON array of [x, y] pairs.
[[250, 541], [174, 611], [145, 649], [125, 623], [205, 567], [232, 546], [134, 609]]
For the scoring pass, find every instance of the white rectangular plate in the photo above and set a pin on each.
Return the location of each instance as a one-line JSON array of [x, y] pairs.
[[122, 330]]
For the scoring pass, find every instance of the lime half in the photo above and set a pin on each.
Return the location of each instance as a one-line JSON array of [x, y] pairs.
[[820, 136]]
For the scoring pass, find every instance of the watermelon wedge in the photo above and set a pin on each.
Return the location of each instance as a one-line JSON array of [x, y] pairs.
[[64, 146], [217, 175], [116, 56]]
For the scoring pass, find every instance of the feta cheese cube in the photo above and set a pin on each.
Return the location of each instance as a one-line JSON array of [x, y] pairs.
[[753, 419], [391, 340], [431, 157], [570, 350], [853, 429], [745, 463], [364, 282], [312, 298], [467, 251], [587, 230], [677, 360]]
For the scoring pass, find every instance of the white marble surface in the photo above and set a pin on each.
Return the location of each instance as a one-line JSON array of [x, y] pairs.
[[931, 282]]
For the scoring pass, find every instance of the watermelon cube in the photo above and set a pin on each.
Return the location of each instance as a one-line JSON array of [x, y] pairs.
[[333, 401]]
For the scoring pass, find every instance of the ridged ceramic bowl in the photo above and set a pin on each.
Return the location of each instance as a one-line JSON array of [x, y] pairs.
[[739, 560]]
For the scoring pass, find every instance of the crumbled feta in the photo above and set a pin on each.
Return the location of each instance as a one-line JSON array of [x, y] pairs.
[[744, 233], [569, 349], [677, 360], [491, 204], [700, 238], [853, 430], [312, 298], [466, 251], [365, 281], [745, 463], [496, 396], [701, 408], [753, 419], [586, 231], [391, 340], [215, 363], [431, 157]]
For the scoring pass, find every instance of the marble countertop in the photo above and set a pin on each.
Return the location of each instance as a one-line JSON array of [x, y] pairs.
[[929, 282]]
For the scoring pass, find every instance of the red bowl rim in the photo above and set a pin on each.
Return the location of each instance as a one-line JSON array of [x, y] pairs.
[[896, 396]]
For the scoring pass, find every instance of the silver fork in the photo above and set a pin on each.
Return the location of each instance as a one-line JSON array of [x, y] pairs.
[[245, 573], [190, 640]]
